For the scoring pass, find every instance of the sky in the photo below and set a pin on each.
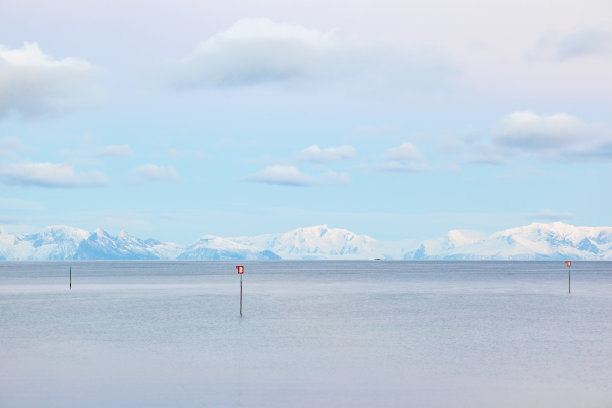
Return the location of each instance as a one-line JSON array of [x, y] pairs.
[[388, 118]]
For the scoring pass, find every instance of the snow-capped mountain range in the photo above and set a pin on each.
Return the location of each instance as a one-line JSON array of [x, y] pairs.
[[532, 242]]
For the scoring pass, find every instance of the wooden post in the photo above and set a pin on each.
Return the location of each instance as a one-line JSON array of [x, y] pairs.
[[70, 277]]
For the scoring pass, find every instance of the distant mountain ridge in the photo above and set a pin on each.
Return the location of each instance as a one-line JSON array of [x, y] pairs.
[[535, 241], [531, 242], [318, 242]]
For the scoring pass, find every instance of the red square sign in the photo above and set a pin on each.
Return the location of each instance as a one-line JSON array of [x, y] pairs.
[[240, 269]]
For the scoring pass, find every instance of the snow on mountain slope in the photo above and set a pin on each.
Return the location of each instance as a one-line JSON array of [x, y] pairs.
[[453, 239], [216, 248], [164, 250], [53, 243], [531, 242], [318, 242], [101, 245], [67, 243]]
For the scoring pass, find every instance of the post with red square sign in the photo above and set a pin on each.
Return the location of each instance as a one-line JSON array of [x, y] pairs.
[[569, 276], [240, 270]]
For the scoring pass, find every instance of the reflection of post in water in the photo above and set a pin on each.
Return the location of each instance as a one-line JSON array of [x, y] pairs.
[[240, 270]]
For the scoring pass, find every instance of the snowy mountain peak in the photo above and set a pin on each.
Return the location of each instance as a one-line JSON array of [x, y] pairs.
[[558, 232], [457, 238], [123, 235], [211, 241], [64, 231], [101, 233], [217, 248], [316, 242], [535, 241]]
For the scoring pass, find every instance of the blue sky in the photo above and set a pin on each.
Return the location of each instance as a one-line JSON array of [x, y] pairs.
[[178, 119]]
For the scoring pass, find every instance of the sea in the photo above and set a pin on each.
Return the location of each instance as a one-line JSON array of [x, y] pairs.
[[312, 334]]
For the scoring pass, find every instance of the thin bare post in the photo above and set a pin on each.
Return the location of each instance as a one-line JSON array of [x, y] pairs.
[[240, 270], [70, 277], [569, 276], [240, 295]]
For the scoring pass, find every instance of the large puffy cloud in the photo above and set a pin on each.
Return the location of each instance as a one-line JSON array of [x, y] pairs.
[[558, 135], [530, 135], [53, 175], [33, 83], [260, 51], [315, 154], [526, 129], [255, 51], [152, 172]]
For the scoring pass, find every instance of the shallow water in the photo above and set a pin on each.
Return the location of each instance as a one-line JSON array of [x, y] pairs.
[[358, 334]]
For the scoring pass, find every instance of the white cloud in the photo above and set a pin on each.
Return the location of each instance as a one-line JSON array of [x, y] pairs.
[[115, 151], [260, 51], [329, 154], [282, 175], [33, 83], [285, 175], [152, 172], [50, 175], [530, 135], [559, 135], [397, 167], [528, 129], [404, 152], [254, 51], [405, 158]]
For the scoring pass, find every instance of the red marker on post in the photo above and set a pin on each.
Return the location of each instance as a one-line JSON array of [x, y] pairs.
[[569, 275], [240, 270]]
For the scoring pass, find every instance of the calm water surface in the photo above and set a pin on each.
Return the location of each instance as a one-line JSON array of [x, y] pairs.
[[313, 334]]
